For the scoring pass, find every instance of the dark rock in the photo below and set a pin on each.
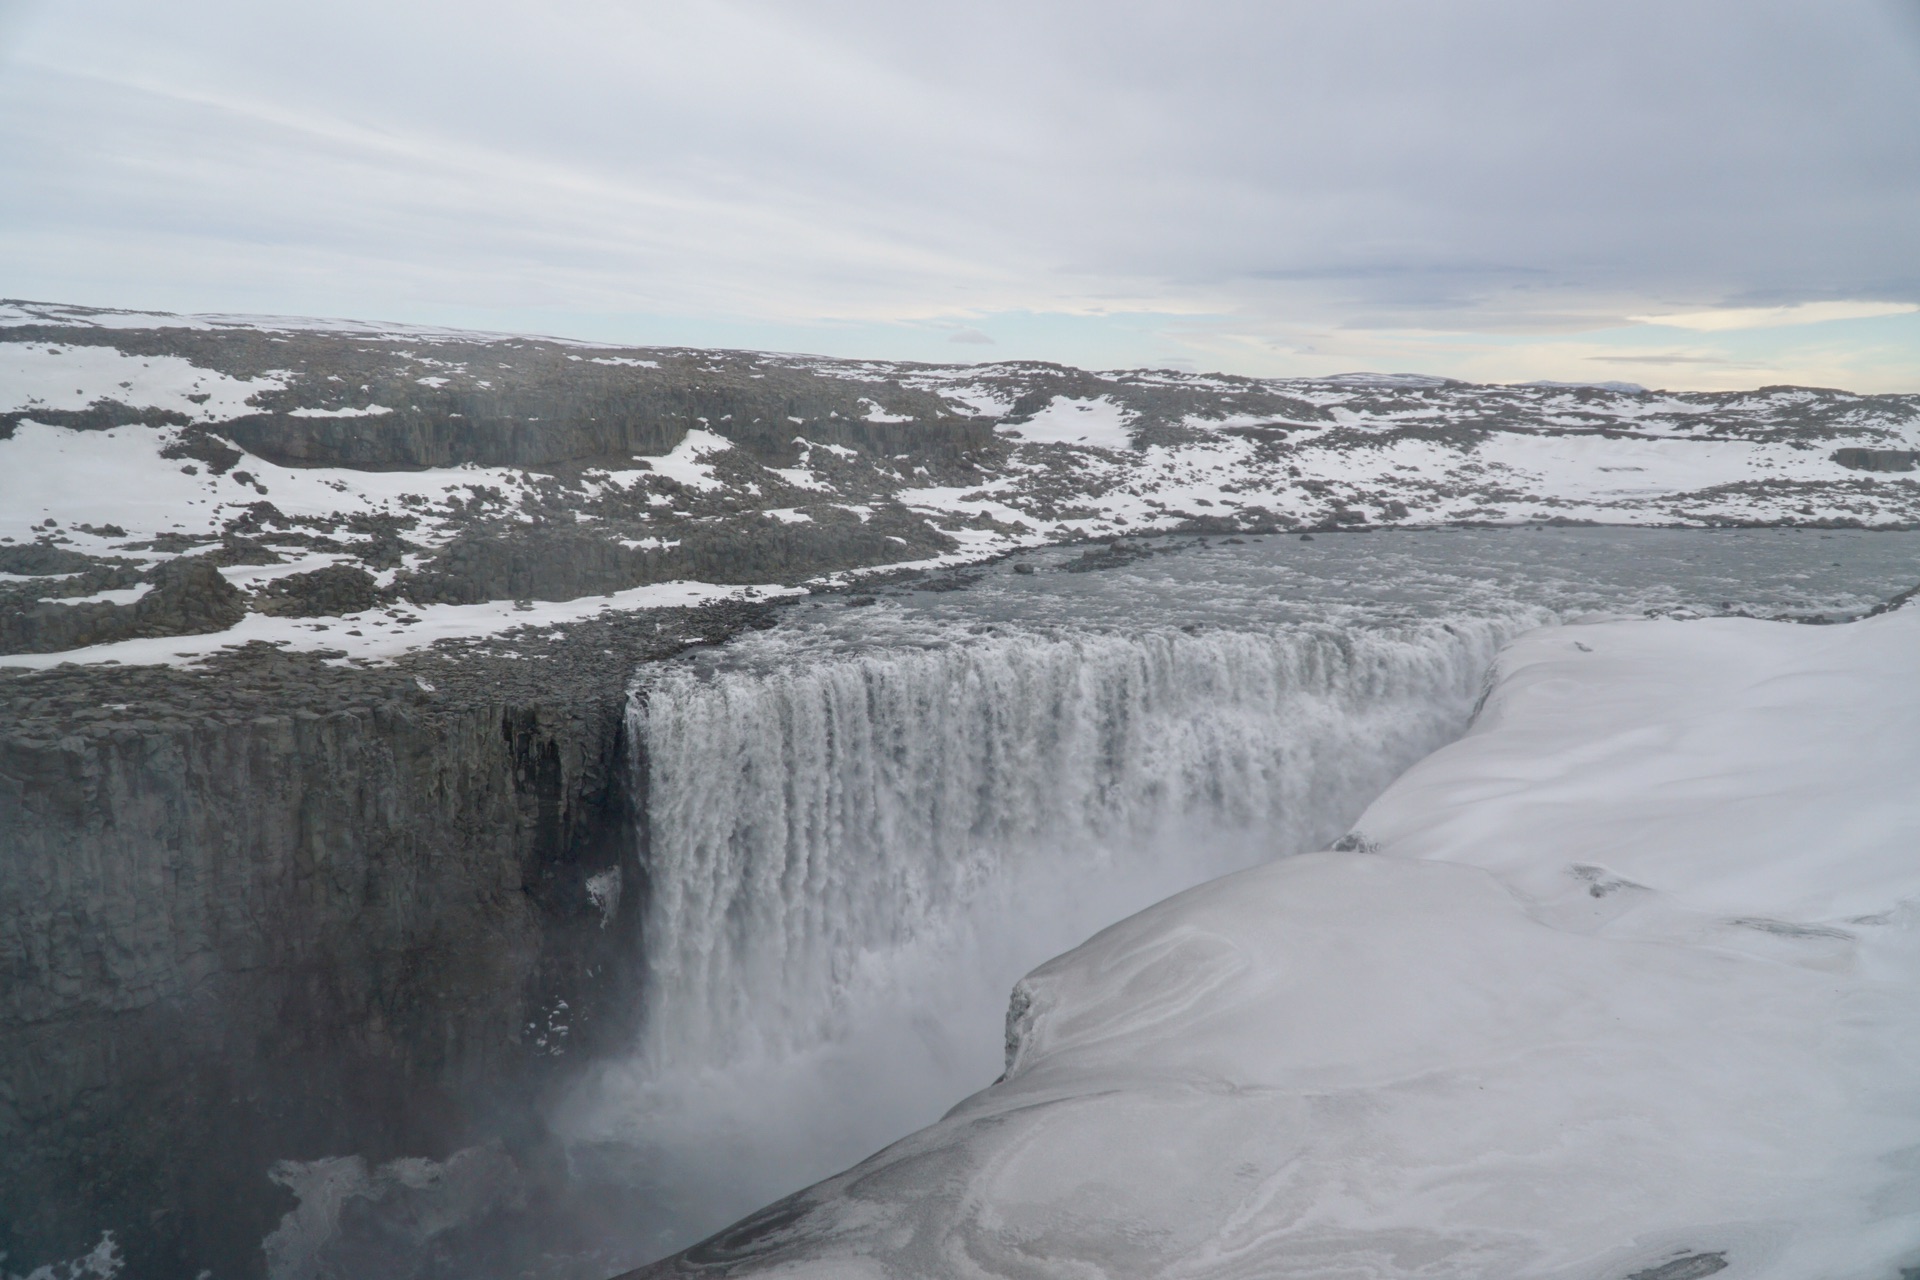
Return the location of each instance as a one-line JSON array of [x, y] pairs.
[[268, 909], [189, 597], [1691, 1266], [565, 563], [101, 415], [1877, 459], [195, 443], [40, 559], [335, 589]]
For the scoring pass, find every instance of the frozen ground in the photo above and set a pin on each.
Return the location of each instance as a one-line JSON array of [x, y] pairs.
[[1618, 986]]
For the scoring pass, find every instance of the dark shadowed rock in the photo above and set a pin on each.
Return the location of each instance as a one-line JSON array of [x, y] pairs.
[[267, 909], [189, 597], [1878, 459], [338, 588]]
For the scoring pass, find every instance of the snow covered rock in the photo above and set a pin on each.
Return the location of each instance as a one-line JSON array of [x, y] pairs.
[[1621, 985]]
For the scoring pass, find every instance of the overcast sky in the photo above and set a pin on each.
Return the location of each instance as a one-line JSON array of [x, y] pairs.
[[1719, 193]]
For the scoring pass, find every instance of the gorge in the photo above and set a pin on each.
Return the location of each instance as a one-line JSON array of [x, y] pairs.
[[525, 843]]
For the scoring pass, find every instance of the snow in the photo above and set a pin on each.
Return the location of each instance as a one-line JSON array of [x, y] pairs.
[[1624, 977], [370, 411], [624, 361], [801, 478], [118, 476], [979, 401], [875, 412], [116, 595], [1099, 423], [684, 462], [787, 515], [38, 375]]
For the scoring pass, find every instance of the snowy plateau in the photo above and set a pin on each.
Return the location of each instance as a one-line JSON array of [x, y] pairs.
[[425, 484]]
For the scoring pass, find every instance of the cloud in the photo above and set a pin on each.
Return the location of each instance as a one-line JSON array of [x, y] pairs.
[[1281, 170], [973, 336], [1659, 359], [1727, 318]]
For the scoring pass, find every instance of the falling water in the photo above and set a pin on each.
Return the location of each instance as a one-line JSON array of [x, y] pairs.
[[852, 860], [863, 827]]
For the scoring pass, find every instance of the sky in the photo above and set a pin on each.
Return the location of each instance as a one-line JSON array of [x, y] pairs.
[[1706, 194]]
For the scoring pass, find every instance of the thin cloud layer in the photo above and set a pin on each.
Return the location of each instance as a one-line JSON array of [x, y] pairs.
[[1270, 186]]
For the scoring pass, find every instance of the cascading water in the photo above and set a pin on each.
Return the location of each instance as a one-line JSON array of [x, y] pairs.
[[864, 826], [852, 860]]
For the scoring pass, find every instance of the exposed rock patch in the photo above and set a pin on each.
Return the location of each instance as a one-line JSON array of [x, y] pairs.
[[335, 589], [189, 597]]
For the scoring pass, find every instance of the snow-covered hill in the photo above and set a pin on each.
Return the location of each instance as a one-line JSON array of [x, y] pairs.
[[365, 488]]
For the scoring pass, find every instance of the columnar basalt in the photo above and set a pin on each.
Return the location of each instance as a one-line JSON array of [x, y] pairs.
[[268, 909]]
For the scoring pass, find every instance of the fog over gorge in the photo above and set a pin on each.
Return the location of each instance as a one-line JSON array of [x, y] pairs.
[[850, 640]]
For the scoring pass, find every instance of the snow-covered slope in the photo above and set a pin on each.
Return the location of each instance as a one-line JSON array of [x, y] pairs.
[[433, 469], [1618, 987]]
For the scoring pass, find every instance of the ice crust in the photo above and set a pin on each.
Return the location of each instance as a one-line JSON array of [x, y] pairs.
[[1624, 977]]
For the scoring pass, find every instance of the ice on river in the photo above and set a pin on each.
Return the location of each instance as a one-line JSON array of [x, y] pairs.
[[1621, 984]]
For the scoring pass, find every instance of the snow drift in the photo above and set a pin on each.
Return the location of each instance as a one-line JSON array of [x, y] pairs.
[[1619, 985]]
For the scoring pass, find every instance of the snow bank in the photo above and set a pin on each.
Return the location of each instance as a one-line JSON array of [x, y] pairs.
[[1099, 423], [684, 463], [1619, 985], [37, 375]]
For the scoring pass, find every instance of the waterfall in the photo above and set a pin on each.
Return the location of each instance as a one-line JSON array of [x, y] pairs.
[[851, 859]]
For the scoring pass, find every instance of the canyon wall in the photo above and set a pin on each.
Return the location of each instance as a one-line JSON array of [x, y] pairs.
[[269, 909]]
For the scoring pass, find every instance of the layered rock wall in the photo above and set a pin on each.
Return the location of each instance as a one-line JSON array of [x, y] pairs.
[[270, 909]]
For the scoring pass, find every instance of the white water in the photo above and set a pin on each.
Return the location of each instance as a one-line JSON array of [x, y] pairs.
[[853, 860], [865, 825]]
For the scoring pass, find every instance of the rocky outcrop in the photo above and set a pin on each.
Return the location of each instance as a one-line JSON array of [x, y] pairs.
[[336, 589], [269, 909], [525, 402], [188, 597], [558, 563], [1878, 459]]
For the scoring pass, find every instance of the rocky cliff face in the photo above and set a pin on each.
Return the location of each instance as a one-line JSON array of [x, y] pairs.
[[270, 909]]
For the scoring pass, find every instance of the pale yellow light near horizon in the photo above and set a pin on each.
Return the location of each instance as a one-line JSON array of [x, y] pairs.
[[1724, 319]]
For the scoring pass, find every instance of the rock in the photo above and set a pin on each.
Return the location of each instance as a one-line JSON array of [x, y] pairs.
[[267, 909], [189, 597], [38, 558], [1877, 459], [336, 589]]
